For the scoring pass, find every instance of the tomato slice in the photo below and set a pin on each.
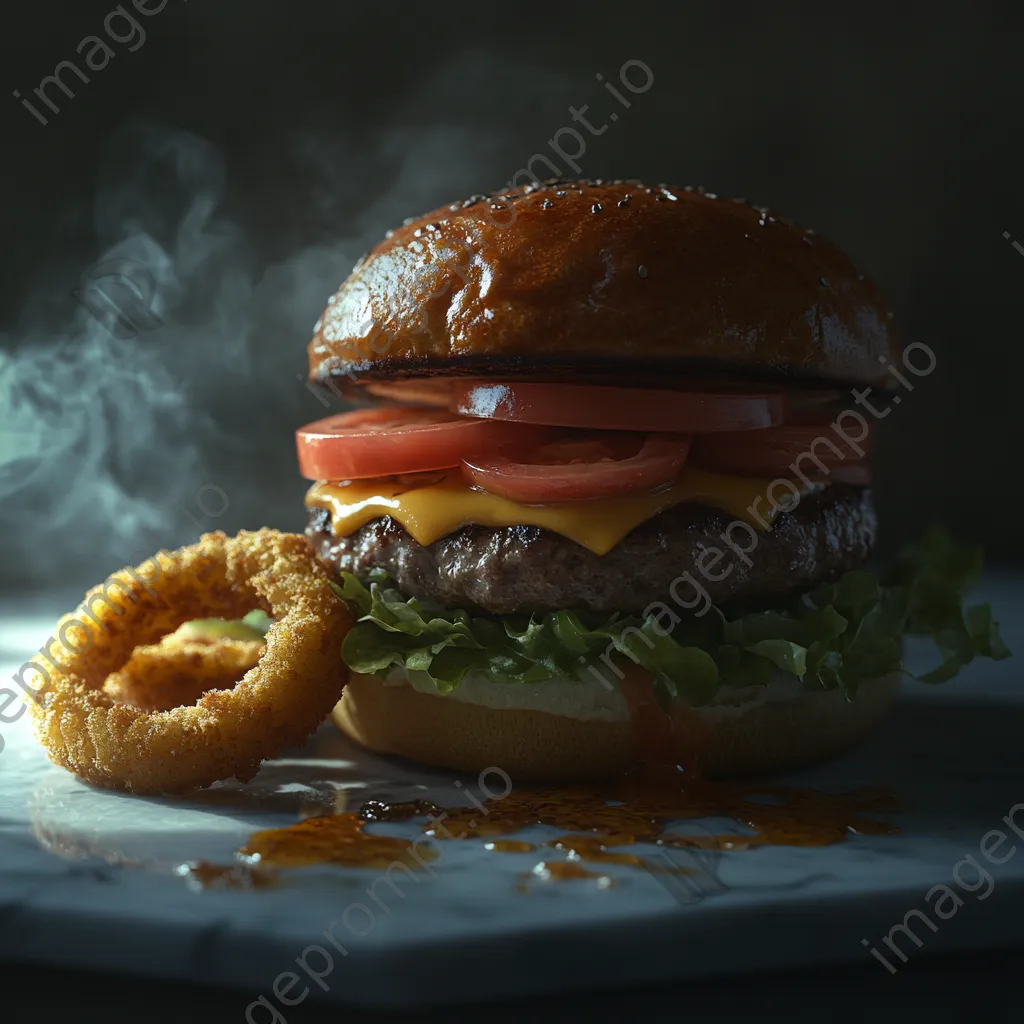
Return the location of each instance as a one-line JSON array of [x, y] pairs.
[[576, 468], [603, 408], [774, 451], [416, 390], [398, 439], [857, 473], [808, 408]]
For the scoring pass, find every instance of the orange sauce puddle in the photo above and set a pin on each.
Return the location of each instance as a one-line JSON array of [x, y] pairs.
[[595, 820], [332, 839]]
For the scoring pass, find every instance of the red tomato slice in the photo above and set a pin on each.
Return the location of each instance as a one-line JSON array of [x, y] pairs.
[[774, 451], [857, 473], [604, 408], [418, 390], [578, 468], [398, 439], [808, 408]]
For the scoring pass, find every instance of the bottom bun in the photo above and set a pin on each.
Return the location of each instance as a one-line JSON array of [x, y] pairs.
[[532, 745]]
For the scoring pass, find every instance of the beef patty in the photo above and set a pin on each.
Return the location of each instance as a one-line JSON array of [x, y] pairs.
[[527, 569]]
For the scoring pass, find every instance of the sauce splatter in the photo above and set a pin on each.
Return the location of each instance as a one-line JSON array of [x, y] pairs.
[[203, 874], [335, 839], [565, 871], [595, 822], [510, 846], [642, 806]]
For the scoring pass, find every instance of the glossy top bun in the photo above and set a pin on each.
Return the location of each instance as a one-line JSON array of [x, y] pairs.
[[604, 281]]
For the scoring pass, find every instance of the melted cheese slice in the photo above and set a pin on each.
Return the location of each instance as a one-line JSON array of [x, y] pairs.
[[440, 505]]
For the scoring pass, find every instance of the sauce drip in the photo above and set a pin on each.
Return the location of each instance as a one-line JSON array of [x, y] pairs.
[[662, 737]]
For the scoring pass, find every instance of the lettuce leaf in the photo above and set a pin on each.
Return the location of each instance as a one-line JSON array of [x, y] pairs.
[[252, 626], [835, 636]]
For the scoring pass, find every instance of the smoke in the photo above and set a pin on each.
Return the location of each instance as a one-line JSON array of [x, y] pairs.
[[95, 419], [160, 400]]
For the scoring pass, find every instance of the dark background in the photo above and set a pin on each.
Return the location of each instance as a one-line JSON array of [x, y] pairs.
[[940, 989], [246, 153]]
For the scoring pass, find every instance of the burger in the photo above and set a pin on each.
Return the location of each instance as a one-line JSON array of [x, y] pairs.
[[603, 497]]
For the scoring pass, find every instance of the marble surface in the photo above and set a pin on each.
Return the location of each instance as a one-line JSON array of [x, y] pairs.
[[88, 878]]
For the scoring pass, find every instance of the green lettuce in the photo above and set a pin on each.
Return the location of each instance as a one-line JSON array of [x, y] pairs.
[[252, 626], [835, 636]]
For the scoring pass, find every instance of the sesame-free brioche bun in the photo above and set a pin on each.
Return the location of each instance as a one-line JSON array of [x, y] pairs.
[[537, 746], [590, 281]]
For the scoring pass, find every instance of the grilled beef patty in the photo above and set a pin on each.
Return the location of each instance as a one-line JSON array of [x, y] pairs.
[[527, 569]]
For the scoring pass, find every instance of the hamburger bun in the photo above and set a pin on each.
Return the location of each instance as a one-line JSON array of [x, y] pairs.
[[532, 745], [601, 281]]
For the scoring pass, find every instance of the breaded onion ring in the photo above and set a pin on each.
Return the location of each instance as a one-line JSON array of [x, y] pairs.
[[179, 670], [228, 732]]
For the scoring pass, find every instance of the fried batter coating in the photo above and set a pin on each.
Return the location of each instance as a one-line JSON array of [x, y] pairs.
[[227, 732], [179, 671]]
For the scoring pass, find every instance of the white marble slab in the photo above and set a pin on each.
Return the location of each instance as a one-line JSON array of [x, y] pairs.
[[87, 877]]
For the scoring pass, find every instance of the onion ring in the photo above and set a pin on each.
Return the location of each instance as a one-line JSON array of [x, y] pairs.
[[179, 671], [227, 733]]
